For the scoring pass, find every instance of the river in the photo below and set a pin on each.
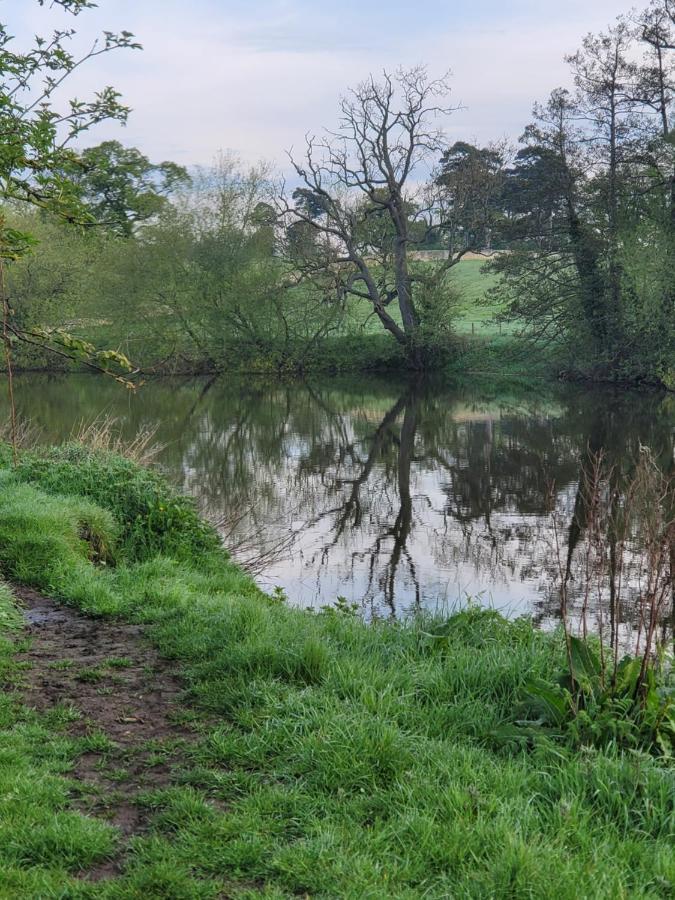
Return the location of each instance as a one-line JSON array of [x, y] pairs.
[[392, 495]]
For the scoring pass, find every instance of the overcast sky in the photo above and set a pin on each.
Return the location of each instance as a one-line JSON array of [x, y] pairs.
[[254, 76]]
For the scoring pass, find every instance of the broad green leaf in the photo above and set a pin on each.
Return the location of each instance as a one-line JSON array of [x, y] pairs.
[[585, 662], [549, 703]]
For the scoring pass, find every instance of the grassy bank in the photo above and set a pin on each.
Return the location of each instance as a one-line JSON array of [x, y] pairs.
[[473, 344], [331, 759]]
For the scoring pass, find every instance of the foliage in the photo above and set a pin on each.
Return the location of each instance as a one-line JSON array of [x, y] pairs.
[[227, 274], [152, 517], [120, 187], [589, 208], [37, 139], [48, 286], [176, 301], [35, 152], [200, 289], [623, 529], [471, 182], [633, 712]]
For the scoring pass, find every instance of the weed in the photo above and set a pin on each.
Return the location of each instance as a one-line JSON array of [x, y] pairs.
[[119, 662], [96, 741], [278, 595], [91, 674], [342, 607], [104, 434], [62, 714]]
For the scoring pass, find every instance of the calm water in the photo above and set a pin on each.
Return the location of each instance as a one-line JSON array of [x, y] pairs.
[[393, 496]]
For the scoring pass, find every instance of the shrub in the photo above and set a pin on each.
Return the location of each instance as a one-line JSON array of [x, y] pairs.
[[153, 518], [634, 711], [626, 527]]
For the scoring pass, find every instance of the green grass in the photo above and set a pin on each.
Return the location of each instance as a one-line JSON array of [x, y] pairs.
[[469, 283], [481, 345], [335, 759], [154, 519]]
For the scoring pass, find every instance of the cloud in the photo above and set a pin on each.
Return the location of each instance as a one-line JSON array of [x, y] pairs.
[[255, 77]]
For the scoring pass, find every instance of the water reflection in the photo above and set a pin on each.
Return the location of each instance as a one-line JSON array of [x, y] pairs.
[[394, 496]]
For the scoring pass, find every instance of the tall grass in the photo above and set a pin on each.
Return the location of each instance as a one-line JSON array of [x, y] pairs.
[[104, 433], [24, 432], [618, 687], [625, 527]]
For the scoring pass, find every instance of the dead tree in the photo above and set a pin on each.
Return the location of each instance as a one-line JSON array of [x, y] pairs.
[[364, 203]]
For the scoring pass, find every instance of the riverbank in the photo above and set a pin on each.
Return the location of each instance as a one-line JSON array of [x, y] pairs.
[[487, 357], [487, 353], [311, 755]]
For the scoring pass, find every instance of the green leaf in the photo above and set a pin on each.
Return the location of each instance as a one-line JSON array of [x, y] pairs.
[[627, 675], [585, 662], [548, 702]]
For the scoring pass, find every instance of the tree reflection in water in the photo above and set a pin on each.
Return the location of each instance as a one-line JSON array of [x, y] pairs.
[[395, 496]]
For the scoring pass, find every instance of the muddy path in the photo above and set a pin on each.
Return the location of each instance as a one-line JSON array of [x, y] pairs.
[[112, 688]]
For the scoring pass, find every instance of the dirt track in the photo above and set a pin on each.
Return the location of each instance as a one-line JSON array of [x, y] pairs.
[[114, 684]]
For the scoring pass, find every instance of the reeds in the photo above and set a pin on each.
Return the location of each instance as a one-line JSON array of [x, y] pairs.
[[618, 567], [22, 433], [104, 433]]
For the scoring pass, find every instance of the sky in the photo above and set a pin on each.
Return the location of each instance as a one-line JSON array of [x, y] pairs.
[[254, 77]]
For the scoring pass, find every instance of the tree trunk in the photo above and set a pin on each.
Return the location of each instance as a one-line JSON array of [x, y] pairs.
[[593, 288], [403, 524], [409, 317], [614, 313]]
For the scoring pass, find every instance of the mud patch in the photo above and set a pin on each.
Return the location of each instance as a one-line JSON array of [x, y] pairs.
[[113, 689]]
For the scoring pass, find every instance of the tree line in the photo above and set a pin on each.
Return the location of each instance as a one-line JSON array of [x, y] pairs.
[[232, 267]]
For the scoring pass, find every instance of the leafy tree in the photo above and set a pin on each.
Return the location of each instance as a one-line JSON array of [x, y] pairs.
[[606, 89], [49, 288], [121, 188], [36, 152], [589, 209], [656, 30], [471, 179], [532, 198], [310, 202], [202, 289], [263, 220]]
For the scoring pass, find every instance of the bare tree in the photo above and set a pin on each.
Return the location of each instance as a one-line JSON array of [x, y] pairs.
[[363, 205]]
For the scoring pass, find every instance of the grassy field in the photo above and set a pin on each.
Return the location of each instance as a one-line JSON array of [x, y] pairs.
[[474, 308], [482, 346], [329, 758], [469, 284]]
